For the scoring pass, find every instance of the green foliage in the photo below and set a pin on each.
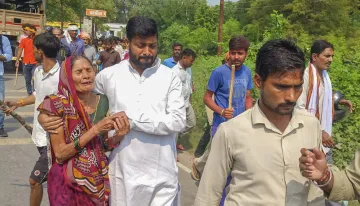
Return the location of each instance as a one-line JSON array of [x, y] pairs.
[[74, 10]]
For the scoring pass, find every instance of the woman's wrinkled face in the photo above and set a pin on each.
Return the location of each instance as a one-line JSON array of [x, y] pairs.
[[83, 75]]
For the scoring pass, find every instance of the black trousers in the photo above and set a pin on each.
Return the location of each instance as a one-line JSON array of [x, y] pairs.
[[203, 142]]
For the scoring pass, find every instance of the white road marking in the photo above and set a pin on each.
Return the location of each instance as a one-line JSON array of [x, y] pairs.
[[15, 90], [183, 167], [15, 141]]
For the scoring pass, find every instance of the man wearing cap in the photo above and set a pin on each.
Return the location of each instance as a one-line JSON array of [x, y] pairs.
[[75, 44], [89, 51], [29, 63]]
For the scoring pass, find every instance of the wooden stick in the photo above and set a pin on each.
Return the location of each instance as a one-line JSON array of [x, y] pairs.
[[231, 86], [16, 76], [17, 117]]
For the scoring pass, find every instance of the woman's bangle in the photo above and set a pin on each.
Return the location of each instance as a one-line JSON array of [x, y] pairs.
[[77, 145]]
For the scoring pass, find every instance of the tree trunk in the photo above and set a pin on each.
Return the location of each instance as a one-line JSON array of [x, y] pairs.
[[221, 21]]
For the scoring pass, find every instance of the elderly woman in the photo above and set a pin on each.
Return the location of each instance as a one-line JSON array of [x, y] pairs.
[[79, 171]]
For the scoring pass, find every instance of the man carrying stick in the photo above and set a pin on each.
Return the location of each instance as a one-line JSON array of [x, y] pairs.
[[219, 87], [46, 80]]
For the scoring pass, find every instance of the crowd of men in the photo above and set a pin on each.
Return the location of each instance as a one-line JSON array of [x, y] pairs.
[[254, 146]]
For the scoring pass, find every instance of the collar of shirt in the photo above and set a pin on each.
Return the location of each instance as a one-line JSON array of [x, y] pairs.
[[52, 71], [172, 60], [258, 117], [180, 67], [147, 73]]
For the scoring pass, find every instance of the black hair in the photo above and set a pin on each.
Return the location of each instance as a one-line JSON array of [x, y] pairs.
[[108, 40], [319, 46], [188, 52], [57, 28], [78, 57], [176, 44], [48, 43], [141, 26], [279, 56], [239, 42]]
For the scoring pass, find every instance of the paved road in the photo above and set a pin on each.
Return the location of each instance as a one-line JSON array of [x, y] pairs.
[[18, 155]]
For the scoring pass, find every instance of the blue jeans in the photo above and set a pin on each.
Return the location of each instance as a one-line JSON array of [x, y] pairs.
[[2, 96], [28, 70]]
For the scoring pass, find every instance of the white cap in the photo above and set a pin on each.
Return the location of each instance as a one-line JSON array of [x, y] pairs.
[[72, 27]]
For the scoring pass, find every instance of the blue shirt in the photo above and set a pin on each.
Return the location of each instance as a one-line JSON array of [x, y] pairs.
[[6, 52], [219, 83], [169, 62], [78, 44]]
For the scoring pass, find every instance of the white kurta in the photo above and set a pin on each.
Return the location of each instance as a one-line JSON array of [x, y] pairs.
[[143, 167], [186, 82]]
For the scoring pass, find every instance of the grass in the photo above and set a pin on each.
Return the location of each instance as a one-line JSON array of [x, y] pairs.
[[354, 203], [191, 140]]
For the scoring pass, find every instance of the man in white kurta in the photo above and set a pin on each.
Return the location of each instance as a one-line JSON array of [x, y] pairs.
[[143, 167]]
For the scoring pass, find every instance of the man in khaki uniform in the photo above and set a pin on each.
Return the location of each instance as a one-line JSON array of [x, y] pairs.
[[338, 185], [261, 147]]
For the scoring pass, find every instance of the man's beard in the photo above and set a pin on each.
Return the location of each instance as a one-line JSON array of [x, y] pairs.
[[277, 108], [141, 65], [177, 54]]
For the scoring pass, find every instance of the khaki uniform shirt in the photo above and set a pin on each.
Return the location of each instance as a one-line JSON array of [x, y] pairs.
[[347, 183], [263, 162]]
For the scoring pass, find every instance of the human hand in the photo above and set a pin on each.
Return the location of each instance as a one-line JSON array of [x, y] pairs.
[[347, 103], [228, 113], [327, 141], [103, 125], [50, 122], [17, 64], [12, 106], [121, 126], [312, 164]]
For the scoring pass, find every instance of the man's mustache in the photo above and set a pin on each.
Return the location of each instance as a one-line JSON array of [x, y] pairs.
[[288, 104], [146, 57]]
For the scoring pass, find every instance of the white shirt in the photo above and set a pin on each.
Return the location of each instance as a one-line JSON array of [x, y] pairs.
[[44, 84], [301, 102], [185, 78], [145, 161], [119, 49]]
